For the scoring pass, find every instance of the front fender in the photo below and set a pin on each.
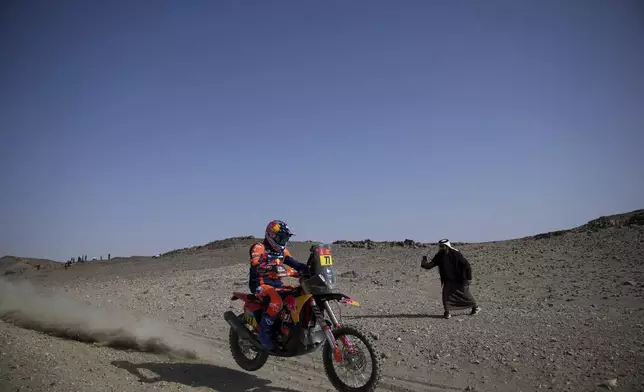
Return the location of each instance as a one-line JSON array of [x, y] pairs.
[[338, 297]]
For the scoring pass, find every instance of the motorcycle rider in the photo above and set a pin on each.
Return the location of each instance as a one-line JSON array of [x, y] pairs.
[[263, 280]]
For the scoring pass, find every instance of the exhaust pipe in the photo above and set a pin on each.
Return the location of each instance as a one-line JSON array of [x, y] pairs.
[[244, 333]]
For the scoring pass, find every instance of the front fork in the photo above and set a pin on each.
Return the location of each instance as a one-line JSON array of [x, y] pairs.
[[329, 334]]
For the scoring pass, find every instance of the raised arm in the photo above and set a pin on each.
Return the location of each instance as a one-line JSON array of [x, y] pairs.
[[428, 264]]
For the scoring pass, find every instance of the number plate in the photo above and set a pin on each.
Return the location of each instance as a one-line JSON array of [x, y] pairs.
[[326, 260]]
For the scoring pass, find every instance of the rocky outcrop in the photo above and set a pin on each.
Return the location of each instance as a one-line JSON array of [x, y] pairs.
[[603, 222], [369, 244], [621, 220]]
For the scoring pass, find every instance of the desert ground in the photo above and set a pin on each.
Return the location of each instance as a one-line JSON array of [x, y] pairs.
[[562, 311]]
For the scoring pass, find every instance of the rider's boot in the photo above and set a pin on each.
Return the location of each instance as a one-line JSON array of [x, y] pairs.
[[265, 331]]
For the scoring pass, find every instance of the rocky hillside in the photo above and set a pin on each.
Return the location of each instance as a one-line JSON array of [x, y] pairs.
[[626, 219], [11, 265], [214, 245], [226, 243], [369, 244], [633, 218], [18, 265]]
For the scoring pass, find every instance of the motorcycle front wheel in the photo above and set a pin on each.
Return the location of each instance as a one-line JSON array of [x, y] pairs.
[[361, 355]]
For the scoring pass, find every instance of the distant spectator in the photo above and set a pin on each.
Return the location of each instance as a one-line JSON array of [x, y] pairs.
[[456, 276], [109, 256]]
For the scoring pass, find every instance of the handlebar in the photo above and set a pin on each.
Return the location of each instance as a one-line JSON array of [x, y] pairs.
[[282, 270], [295, 274]]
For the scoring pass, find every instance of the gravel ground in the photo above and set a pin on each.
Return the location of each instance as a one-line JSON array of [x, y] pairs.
[[564, 313]]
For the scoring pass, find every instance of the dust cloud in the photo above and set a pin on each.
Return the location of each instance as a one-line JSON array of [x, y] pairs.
[[21, 304]]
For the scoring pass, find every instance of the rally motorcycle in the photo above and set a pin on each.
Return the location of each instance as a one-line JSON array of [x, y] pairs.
[[301, 328]]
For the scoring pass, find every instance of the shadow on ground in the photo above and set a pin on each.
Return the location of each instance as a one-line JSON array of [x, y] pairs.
[[387, 316], [200, 375]]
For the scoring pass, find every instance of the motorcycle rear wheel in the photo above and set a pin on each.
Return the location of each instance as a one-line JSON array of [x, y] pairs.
[[353, 332], [240, 357]]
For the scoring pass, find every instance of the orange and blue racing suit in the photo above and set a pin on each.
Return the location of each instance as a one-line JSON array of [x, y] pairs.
[[268, 287], [262, 280]]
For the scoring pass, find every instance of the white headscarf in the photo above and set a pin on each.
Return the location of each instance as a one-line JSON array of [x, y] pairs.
[[446, 242]]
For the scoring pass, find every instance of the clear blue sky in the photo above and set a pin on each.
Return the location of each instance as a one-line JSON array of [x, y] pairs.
[[140, 127]]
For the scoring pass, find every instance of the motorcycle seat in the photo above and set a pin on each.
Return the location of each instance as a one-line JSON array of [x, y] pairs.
[[253, 298]]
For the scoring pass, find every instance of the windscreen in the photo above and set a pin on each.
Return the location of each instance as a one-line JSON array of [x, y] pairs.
[[321, 263]]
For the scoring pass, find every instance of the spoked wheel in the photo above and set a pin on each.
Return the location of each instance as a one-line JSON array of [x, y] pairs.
[[360, 368], [244, 353]]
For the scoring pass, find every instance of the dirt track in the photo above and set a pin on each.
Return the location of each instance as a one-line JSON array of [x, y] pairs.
[[563, 313]]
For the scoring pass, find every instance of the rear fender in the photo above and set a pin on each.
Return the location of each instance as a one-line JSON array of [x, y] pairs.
[[251, 302]]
